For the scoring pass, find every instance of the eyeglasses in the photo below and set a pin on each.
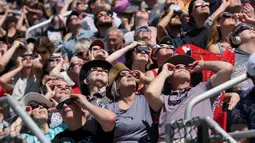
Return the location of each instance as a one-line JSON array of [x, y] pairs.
[[54, 58], [63, 86], [141, 49], [181, 67], [41, 52], [162, 46], [242, 28], [99, 69], [143, 30], [198, 4], [61, 104], [35, 105], [227, 15], [127, 73]]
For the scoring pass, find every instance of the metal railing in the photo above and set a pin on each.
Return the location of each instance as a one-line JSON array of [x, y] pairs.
[[43, 24], [25, 117]]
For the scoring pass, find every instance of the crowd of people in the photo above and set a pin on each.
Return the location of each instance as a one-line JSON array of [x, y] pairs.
[[116, 71]]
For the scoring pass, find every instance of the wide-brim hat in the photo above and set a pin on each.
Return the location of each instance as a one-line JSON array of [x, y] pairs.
[[85, 69], [33, 96], [196, 78], [113, 75]]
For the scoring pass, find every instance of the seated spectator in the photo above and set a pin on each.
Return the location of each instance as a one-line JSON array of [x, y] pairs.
[[81, 48], [133, 120], [75, 109], [73, 23], [93, 81], [171, 25], [242, 38], [218, 40], [199, 11], [37, 107], [184, 75], [160, 54]]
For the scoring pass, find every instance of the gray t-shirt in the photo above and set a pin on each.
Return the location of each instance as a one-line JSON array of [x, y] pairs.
[[175, 103], [134, 124]]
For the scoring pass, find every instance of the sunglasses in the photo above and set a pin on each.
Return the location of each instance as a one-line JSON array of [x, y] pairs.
[[227, 15], [127, 73], [199, 4], [61, 104], [143, 30], [27, 58], [80, 54], [42, 52], [54, 58], [63, 86], [141, 49], [99, 69], [242, 28], [104, 14], [35, 105]]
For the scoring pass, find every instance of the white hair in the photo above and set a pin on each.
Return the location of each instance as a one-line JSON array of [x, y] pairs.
[[116, 30], [82, 43]]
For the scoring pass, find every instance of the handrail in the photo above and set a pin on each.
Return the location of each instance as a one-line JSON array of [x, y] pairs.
[[26, 119], [210, 93], [43, 24]]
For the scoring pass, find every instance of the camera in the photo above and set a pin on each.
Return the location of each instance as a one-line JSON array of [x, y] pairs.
[[176, 9]]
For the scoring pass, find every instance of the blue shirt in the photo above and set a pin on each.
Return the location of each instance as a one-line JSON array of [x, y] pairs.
[[69, 45], [49, 135]]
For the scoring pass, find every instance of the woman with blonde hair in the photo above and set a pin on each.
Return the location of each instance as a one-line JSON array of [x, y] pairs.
[[222, 26]]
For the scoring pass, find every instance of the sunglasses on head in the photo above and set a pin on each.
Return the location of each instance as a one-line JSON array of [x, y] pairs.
[[35, 105], [99, 69], [61, 104], [242, 28], [141, 49], [127, 73], [198, 4]]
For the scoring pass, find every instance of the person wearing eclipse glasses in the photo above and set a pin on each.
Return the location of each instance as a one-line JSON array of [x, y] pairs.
[[134, 122], [184, 75], [242, 38], [37, 107], [75, 111], [199, 11]]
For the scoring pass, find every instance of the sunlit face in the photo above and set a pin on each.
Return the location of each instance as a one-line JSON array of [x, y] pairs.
[[175, 20], [98, 52], [27, 61], [68, 109], [227, 21], [62, 90], [104, 18], [142, 54], [40, 113], [165, 50], [142, 16], [114, 41], [181, 72], [100, 5], [144, 34], [246, 33], [75, 20], [98, 76], [126, 80], [201, 7]]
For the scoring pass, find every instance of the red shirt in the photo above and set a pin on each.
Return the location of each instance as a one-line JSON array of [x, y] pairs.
[[76, 89]]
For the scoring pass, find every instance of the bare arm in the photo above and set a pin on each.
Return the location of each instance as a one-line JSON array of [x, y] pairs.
[[8, 76], [19, 25], [56, 71], [221, 9], [105, 117], [153, 93], [16, 126], [221, 69], [214, 48], [65, 8], [161, 27], [8, 54], [117, 54]]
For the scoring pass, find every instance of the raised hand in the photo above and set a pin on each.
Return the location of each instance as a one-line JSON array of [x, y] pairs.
[[139, 76], [248, 10], [168, 69], [196, 66], [80, 100]]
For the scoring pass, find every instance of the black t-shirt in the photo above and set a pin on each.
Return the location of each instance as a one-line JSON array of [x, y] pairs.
[[91, 132], [197, 36]]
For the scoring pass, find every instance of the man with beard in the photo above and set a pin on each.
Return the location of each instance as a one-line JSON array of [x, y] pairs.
[[199, 11], [93, 80], [74, 24], [171, 25], [103, 21]]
